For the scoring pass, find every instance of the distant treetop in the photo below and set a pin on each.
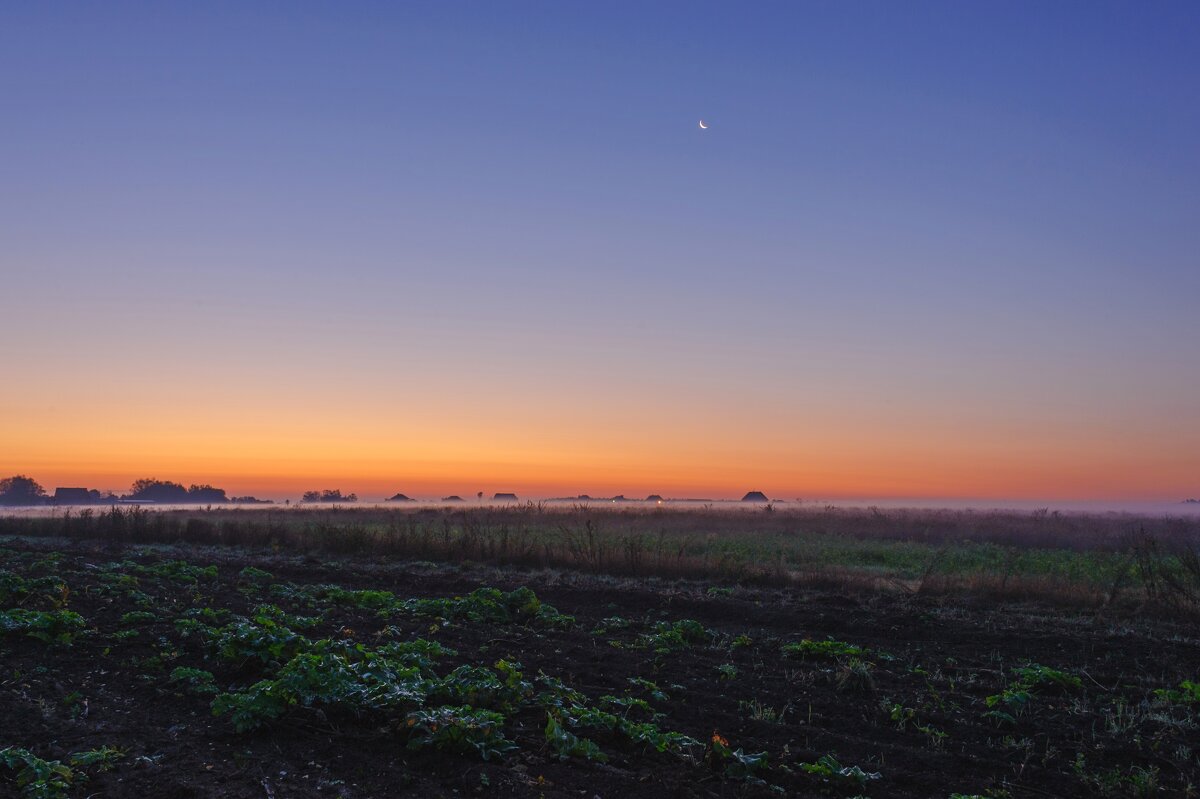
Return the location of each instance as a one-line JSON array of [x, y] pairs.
[[21, 490], [168, 493], [328, 495]]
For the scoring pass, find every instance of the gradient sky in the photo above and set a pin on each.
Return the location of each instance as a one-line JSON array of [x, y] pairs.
[[924, 249]]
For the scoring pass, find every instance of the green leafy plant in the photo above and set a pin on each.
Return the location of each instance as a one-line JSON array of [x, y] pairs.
[[828, 769], [37, 778], [491, 605], [197, 681], [102, 759], [565, 744], [736, 763], [137, 617], [667, 637], [1188, 693], [460, 729], [51, 627], [179, 571], [1038, 676]]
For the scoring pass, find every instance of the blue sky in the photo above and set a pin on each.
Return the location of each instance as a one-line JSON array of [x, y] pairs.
[[969, 219]]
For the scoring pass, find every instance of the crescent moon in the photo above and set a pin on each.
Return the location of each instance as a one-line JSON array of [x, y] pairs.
[[703, 126]]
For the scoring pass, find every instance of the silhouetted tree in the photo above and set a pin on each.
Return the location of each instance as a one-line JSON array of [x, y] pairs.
[[206, 494], [328, 495], [21, 490], [152, 490]]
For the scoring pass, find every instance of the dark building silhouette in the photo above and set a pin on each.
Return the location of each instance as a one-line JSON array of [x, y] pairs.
[[503, 496], [755, 496], [76, 496]]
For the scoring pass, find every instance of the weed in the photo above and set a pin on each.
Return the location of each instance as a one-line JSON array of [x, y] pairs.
[[1188, 693], [830, 648], [855, 676], [757, 711], [103, 759]]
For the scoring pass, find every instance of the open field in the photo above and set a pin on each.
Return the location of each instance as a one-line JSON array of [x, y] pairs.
[[347, 668], [1078, 560]]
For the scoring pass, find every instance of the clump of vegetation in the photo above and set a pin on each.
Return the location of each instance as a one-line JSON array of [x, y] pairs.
[[37, 778], [197, 681], [827, 769], [52, 627], [459, 729], [673, 636], [1188, 693], [565, 744], [735, 763], [830, 648], [493, 606]]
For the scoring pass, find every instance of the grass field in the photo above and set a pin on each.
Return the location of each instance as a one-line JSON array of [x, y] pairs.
[[1080, 560]]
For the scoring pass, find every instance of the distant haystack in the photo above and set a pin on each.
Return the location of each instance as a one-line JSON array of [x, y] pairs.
[[755, 496], [654, 498], [504, 496], [399, 498], [452, 498]]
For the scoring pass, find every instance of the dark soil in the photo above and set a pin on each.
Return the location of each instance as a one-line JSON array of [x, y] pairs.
[[936, 663]]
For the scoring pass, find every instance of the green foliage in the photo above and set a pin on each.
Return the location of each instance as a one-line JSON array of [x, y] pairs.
[[727, 671], [354, 679], [565, 744], [668, 637], [1009, 704], [51, 627], [828, 769], [1038, 676], [250, 574], [104, 758], [736, 763], [459, 729], [263, 640], [649, 687], [364, 600], [645, 733], [493, 606], [1188, 693], [18, 590], [831, 648], [179, 571], [137, 617], [37, 778], [479, 686], [197, 681]]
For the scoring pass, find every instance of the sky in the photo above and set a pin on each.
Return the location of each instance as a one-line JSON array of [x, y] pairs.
[[923, 249]]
